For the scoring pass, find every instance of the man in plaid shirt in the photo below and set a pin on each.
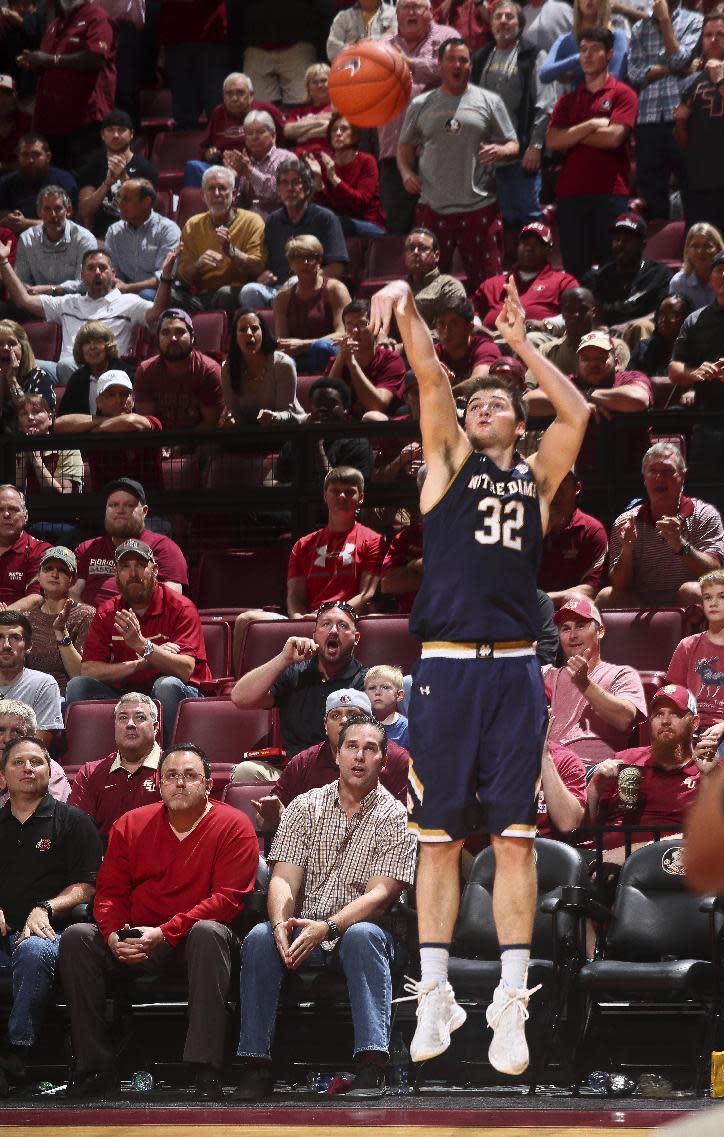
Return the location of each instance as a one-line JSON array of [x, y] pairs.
[[342, 855]]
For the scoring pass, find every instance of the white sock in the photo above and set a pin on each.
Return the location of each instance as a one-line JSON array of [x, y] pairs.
[[514, 966], [433, 964]]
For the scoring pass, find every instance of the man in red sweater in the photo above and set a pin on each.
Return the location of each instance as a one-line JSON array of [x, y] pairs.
[[174, 875]]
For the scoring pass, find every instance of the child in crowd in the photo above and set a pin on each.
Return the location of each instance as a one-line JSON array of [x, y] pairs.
[[383, 685], [698, 662]]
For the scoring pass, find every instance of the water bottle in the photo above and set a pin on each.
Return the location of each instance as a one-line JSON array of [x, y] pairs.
[[399, 1066]]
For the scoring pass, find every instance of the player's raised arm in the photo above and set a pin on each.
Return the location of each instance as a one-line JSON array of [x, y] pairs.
[[562, 440], [442, 437]]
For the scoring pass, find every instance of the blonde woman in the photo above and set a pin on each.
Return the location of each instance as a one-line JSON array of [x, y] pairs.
[[563, 62], [306, 129], [19, 374], [308, 312], [703, 242], [95, 350]]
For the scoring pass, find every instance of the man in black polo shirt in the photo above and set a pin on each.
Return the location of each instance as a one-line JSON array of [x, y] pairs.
[[299, 679], [628, 287], [698, 355], [49, 856]]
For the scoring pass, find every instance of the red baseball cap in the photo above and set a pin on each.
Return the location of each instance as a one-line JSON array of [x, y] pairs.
[[679, 696], [579, 606], [538, 229]]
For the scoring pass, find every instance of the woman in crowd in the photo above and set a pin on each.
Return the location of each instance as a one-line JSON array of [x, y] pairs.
[[308, 312], [563, 62], [19, 374], [366, 19], [259, 382], [95, 350], [692, 280], [653, 355], [60, 624], [508, 67], [348, 182], [57, 471], [306, 128]]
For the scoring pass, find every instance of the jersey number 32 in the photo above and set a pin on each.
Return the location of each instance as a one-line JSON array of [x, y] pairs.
[[502, 523]]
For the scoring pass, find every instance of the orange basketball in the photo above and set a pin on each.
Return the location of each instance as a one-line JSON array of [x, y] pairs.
[[369, 83]]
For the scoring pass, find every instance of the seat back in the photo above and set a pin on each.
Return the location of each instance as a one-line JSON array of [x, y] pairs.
[[190, 202], [217, 641], [89, 731], [642, 638], [247, 578], [220, 728], [667, 245], [557, 866], [172, 149], [387, 639], [45, 338], [265, 639], [211, 332], [654, 914]]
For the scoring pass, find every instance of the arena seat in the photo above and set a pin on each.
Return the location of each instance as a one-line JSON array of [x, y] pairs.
[[217, 641], [221, 729], [304, 382], [385, 262], [265, 639], [267, 315], [164, 204], [190, 202], [249, 578], [650, 681], [45, 338], [643, 638], [211, 330], [241, 797], [172, 149], [661, 953], [236, 468], [89, 731], [667, 246], [387, 639], [156, 111]]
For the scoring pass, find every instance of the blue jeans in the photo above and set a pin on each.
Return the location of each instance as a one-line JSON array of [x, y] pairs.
[[32, 962], [518, 195], [365, 954], [314, 359], [194, 171], [167, 689], [352, 227]]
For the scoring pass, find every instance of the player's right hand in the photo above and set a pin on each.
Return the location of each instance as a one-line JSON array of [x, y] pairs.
[[298, 648], [385, 303]]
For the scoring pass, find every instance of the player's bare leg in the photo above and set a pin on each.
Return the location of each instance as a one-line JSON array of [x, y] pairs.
[[438, 900], [515, 893]]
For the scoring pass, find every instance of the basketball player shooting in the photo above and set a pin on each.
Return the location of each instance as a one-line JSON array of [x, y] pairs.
[[478, 713]]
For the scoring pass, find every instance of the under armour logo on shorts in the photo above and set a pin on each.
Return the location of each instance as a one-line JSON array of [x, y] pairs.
[[424, 690]]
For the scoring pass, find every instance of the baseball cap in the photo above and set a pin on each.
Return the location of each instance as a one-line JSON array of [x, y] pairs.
[[117, 118], [538, 229], [579, 606], [631, 221], [113, 378], [7, 83], [60, 553], [129, 485], [348, 697], [176, 314], [679, 696], [514, 368], [596, 339], [133, 545]]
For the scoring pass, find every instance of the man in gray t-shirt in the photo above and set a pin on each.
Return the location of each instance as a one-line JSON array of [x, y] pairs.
[[457, 134], [35, 688]]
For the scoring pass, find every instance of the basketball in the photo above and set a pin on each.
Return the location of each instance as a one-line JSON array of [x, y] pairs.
[[369, 83]]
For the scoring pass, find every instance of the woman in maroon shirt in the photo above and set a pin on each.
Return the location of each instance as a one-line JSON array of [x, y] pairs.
[[348, 182], [308, 313]]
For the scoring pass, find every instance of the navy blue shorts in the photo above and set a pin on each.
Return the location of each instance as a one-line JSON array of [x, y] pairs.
[[477, 729]]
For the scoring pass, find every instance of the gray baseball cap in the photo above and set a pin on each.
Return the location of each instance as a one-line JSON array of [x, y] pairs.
[[348, 697], [60, 553], [139, 548]]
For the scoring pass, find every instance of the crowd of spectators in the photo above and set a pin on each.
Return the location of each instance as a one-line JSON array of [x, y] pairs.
[[547, 143]]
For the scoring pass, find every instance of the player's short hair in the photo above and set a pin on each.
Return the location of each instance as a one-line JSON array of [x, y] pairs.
[[364, 720], [498, 383], [349, 475], [386, 672]]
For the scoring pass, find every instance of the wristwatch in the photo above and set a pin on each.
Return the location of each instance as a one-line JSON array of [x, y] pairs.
[[684, 550], [333, 935], [146, 650], [46, 906], [65, 642]]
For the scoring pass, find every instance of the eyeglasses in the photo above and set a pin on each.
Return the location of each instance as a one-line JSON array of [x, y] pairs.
[[188, 777], [328, 604]]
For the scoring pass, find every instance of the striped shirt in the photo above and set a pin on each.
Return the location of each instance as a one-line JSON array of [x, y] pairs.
[[341, 854], [657, 569]]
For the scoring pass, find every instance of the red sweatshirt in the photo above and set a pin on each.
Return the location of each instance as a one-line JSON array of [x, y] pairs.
[[149, 878]]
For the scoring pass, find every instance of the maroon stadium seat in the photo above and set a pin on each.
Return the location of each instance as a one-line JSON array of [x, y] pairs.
[[211, 330], [217, 641], [89, 732], [171, 151], [265, 639], [386, 261], [642, 638], [304, 382], [651, 681], [221, 729], [249, 578], [667, 245], [267, 315], [242, 797], [45, 338], [190, 203], [386, 639]]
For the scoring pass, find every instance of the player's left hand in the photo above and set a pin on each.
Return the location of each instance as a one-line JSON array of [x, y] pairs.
[[510, 321]]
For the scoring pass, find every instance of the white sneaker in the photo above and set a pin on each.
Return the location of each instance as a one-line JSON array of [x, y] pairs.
[[507, 1016], [438, 1015]]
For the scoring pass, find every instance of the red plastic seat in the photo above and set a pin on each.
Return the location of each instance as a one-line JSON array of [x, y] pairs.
[[387, 639], [651, 681], [667, 246], [223, 731], [267, 315], [89, 731], [242, 797], [304, 383], [385, 262], [217, 640], [266, 638], [156, 107], [45, 338], [236, 468], [249, 578], [190, 202], [164, 203], [171, 151], [212, 333], [642, 638]]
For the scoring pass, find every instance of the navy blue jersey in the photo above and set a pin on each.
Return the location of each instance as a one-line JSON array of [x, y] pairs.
[[481, 547]]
